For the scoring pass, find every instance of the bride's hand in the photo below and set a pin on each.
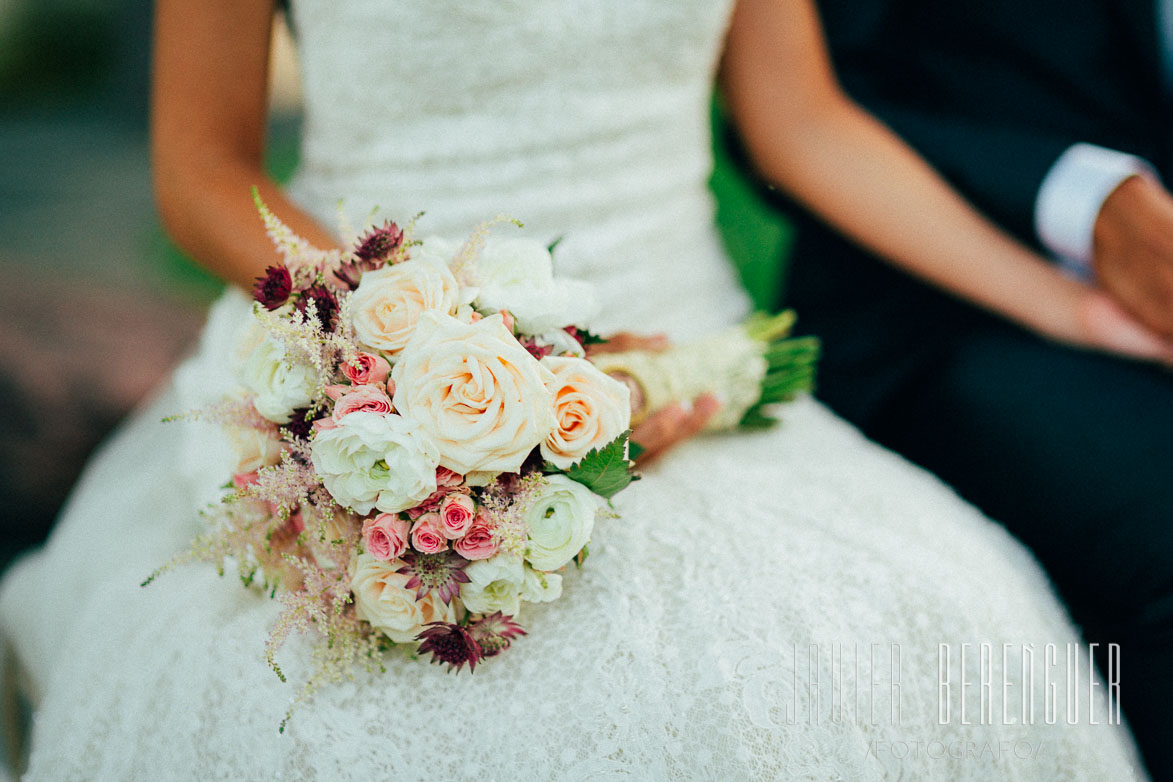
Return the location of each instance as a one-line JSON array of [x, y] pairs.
[[675, 423], [1107, 326], [1088, 317]]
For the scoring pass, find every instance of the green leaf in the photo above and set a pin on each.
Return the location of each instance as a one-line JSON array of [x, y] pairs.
[[756, 418], [606, 471]]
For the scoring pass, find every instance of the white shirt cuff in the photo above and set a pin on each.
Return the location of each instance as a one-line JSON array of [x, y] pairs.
[[1070, 198]]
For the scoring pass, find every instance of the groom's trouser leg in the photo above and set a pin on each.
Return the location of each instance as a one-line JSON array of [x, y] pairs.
[[1072, 451]]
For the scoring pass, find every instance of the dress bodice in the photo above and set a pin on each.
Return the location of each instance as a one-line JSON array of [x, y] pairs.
[[586, 121]]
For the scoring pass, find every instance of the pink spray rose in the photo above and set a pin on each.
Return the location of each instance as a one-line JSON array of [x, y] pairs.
[[456, 515], [427, 535], [369, 399], [445, 480], [478, 542], [385, 536], [367, 369]]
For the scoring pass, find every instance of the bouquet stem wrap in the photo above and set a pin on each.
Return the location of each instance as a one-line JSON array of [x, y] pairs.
[[746, 367]]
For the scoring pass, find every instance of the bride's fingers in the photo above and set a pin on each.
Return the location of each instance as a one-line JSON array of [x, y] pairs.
[[1109, 327], [672, 425], [623, 341]]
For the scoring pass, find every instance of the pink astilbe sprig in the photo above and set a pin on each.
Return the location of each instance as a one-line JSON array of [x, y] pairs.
[[305, 262], [494, 633], [287, 484], [322, 606], [234, 412], [503, 505], [450, 644], [325, 305], [442, 572]]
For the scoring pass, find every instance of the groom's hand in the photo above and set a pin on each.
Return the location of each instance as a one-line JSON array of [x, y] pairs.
[[1133, 251]]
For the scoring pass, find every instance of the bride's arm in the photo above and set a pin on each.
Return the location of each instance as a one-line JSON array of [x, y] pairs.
[[807, 136], [208, 117]]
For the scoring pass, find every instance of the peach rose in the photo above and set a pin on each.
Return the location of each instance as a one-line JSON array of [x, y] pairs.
[[476, 391], [427, 534], [457, 512], [385, 536], [389, 301], [591, 407], [381, 599]]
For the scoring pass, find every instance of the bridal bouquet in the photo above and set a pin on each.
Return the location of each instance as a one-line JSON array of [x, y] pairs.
[[425, 445]]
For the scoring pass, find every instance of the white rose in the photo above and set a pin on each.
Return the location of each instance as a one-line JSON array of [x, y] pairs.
[[541, 587], [389, 301], [375, 460], [559, 522], [381, 599], [517, 275], [480, 395], [255, 448], [592, 409], [281, 385], [495, 584]]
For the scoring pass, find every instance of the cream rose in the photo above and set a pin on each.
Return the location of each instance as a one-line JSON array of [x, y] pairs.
[[389, 301], [371, 460], [592, 410], [280, 384], [381, 599], [255, 448], [495, 584], [483, 399], [516, 274], [559, 522]]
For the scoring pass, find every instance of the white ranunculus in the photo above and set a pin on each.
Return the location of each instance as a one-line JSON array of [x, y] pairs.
[[280, 384], [516, 274], [376, 460], [381, 598], [559, 522], [541, 587], [480, 395], [592, 410], [436, 249], [389, 301], [495, 584]]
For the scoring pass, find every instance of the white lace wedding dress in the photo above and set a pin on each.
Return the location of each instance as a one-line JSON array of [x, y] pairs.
[[680, 652]]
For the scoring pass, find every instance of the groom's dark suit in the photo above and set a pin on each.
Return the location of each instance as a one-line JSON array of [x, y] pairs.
[[1072, 451]]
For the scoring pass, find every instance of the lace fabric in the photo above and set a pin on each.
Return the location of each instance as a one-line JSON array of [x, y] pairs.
[[681, 651]]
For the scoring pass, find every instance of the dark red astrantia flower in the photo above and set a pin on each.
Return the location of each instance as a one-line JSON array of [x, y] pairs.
[[272, 289], [451, 644], [494, 633], [379, 244], [325, 304]]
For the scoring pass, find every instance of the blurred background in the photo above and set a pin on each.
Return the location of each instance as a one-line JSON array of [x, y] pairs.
[[98, 305]]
